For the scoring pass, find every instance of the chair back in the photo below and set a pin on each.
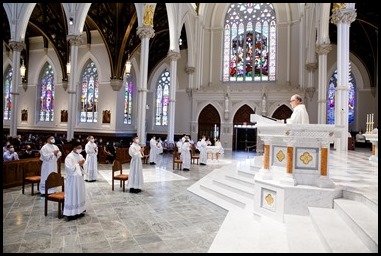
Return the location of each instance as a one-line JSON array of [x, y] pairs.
[[116, 166], [54, 180]]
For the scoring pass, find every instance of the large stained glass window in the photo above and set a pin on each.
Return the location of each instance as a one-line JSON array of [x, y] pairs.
[[250, 42], [162, 98], [7, 86], [47, 88], [128, 88], [89, 93], [331, 98]]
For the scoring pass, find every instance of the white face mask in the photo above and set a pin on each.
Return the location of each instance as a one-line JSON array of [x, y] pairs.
[[79, 151], [92, 140], [52, 141], [136, 140]]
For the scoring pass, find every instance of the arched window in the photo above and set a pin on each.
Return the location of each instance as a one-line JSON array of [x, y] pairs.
[[128, 88], [7, 86], [250, 42], [162, 98], [331, 98], [89, 93], [47, 89]]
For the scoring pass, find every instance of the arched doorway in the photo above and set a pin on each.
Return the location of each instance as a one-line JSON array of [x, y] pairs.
[[209, 123], [283, 112], [244, 134]]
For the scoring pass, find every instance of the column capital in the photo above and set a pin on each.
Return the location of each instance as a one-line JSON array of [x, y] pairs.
[[17, 46], [145, 32], [189, 70], [173, 55], [340, 15], [75, 40], [322, 49], [311, 66]]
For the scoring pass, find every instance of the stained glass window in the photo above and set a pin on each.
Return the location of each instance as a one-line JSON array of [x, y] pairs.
[[7, 86], [250, 42], [47, 88], [89, 93], [162, 98], [331, 98], [128, 88]]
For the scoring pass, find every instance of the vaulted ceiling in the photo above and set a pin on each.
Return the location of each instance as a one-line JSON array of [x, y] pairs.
[[117, 24]]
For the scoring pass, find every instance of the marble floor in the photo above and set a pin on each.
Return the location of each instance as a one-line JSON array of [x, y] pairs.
[[165, 216]]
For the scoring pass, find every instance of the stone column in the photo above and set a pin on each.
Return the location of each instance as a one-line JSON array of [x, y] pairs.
[[289, 177], [75, 41], [324, 162], [322, 50], [144, 33], [342, 16], [324, 180], [174, 56], [16, 78], [264, 172]]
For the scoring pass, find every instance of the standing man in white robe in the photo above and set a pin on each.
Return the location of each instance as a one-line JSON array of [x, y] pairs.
[[202, 147], [91, 149], [75, 193], [186, 154], [153, 151], [49, 154], [135, 177], [299, 114]]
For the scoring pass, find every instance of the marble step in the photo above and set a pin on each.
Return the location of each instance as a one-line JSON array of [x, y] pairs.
[[223, 195], [361, 219], [246, 173], [372, 203], [335, 234], [242, 180], [236, 188]]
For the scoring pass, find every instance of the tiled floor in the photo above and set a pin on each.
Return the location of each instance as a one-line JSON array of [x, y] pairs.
[[164, 217]]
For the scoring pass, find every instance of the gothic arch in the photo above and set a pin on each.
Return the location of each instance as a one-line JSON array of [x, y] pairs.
[[207, 118]]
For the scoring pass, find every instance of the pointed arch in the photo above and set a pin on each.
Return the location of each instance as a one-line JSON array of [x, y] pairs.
[[208, 120], [89, 93], [46, 93], [7, 88]]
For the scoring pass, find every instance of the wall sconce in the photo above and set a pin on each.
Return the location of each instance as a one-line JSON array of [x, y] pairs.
[[68, 68], [22, 74], [128, 66], [180, 41], [71, 21]]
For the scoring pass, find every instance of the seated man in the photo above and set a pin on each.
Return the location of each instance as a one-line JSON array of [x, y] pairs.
[[360, 137]]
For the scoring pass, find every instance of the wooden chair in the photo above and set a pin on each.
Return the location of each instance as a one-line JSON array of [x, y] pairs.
[[176, 160], [117, 167], [55, 180], [194, 156], [146, 155], [32, 175]]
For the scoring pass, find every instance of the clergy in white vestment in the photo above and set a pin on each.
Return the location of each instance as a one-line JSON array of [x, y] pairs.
[[186, 154], [49, 155], [202, 147], [153, 151], [135, 177], [159, 146], [75, 192], [299, 114], [219, 145], [91, 149]]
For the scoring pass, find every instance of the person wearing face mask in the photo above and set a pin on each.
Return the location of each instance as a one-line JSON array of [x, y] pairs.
[[75, 193], [49, 154], [10, 154], [91, 149], [135, 177]]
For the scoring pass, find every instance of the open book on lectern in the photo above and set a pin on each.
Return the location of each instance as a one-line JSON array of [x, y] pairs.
[[262, 119]]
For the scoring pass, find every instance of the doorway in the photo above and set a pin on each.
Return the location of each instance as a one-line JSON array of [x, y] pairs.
[[246, 138]]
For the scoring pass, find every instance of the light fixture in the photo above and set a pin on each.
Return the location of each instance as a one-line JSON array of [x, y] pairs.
[[180, 41], [68, 68], [22, 70], [128, 66], [71, 21]]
